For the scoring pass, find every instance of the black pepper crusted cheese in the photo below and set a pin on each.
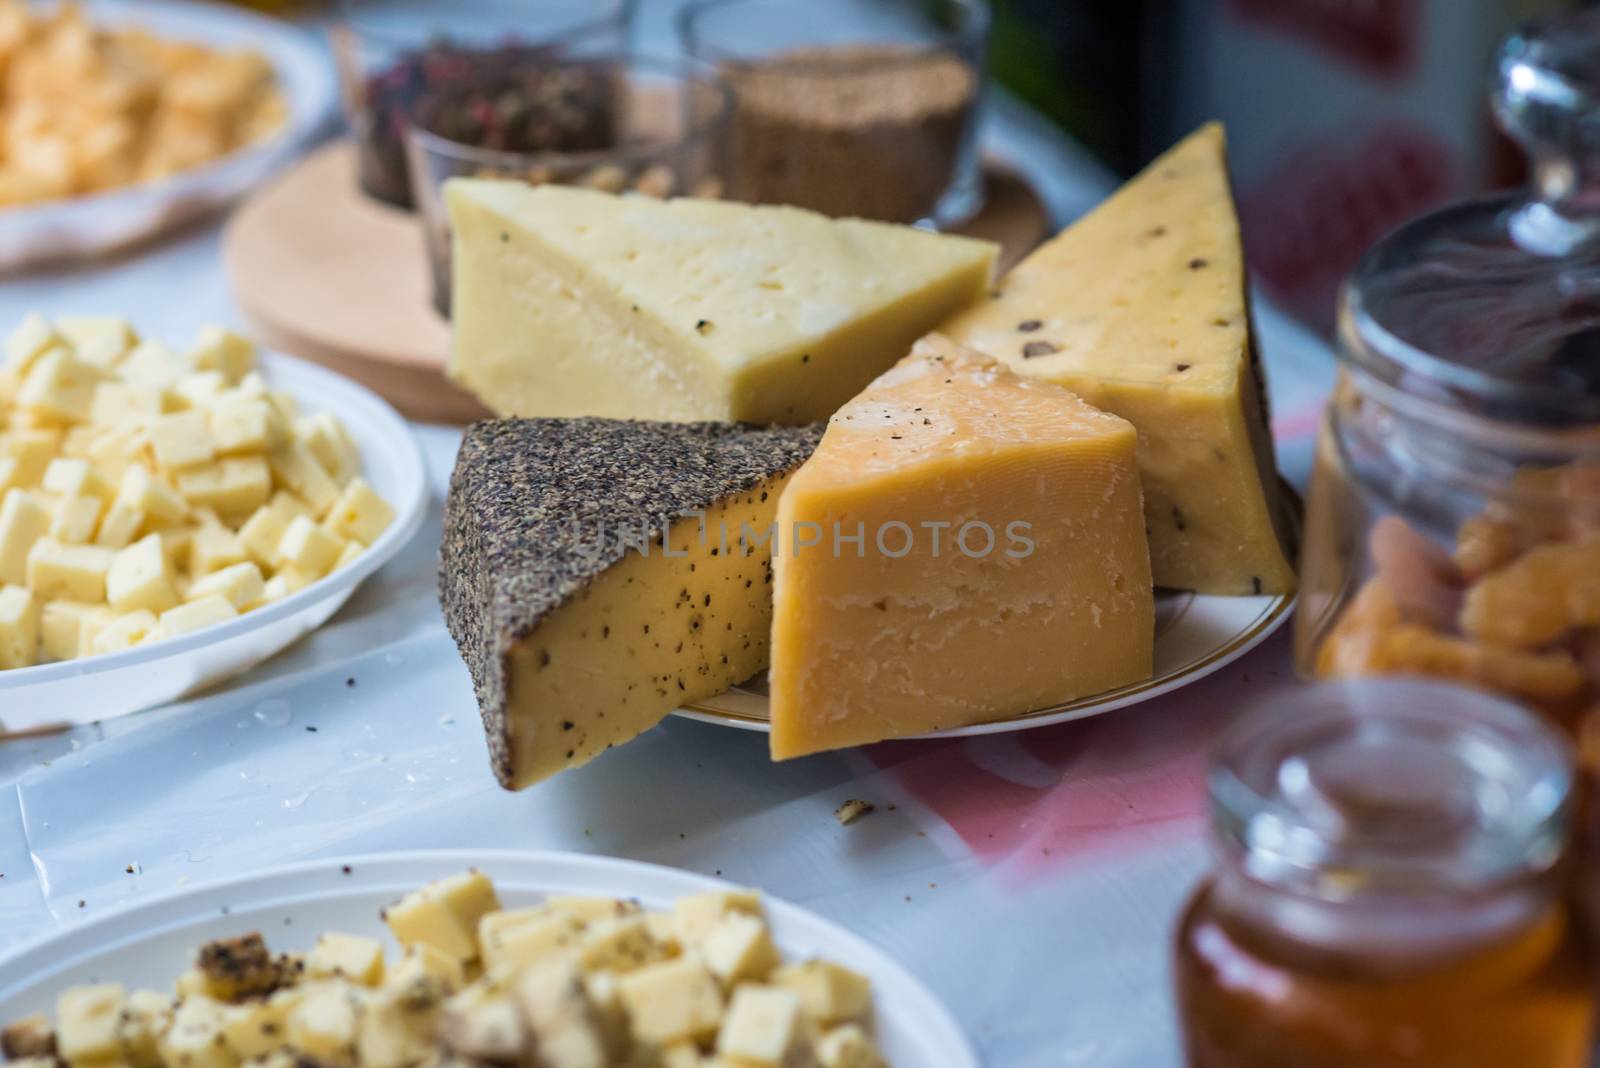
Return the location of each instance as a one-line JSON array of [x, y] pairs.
[[528, 495]]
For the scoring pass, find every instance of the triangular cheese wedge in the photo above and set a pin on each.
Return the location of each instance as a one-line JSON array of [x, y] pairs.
[[965, 545], [1142, 309], [571, 302], [597, 574]]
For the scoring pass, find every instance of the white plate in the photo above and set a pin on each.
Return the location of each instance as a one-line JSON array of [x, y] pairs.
[[1196, 635], [90, 225], [99, 687], [150, 943]]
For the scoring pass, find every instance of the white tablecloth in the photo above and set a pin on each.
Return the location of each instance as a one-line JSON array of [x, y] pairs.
[[1030, 879]]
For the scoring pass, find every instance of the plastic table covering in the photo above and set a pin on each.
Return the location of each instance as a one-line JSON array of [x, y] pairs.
[[1030, 879]]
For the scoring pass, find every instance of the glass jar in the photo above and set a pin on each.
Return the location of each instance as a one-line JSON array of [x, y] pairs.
[[864, 108], [1453, 528], [1389, 888], [393, 54], [668, 124]]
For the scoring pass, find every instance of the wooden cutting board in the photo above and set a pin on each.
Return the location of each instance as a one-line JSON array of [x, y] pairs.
[[325, 272]]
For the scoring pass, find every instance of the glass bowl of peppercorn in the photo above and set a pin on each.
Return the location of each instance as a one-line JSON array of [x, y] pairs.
[[478, 68], [665, 135], [865, 108]]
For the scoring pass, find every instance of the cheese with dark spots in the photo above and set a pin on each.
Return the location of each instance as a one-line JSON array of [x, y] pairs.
[[597, 574], [1141, 308]]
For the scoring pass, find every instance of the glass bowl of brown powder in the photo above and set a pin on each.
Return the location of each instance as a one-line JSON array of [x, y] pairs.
[[863, 108]]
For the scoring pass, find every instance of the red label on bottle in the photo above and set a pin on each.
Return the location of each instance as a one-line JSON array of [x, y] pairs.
[[1379, 35]]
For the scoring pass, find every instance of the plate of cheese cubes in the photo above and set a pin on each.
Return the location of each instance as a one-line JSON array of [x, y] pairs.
[[170, 516], [449, 958]]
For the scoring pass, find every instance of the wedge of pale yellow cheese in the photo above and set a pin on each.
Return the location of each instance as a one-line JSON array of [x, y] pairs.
[[966, 544], [571, 302], [1142, 309]]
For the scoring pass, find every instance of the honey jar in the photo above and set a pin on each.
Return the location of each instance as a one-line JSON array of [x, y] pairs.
[[1453, 526], [1389, 890]]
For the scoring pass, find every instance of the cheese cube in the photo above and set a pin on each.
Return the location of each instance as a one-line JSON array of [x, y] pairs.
[[328, 440], [445, 914], [487, 1028], [98, 339], [220, 349], [122, 403], [673, 1001], [263, 531], [294, 465], [570, 1029], [396, 1027], [620, 944], [141, 578], [58, 387], [762, 1028], [115, 449], [30, 340], [24, 519], [153, 364], [145, 1016], [74, 478], [681, 1055], [696, 914], [86, 1022], [288, 580], [195, 614], [59, 625], [9, 479], [143, 492], [241, 585], [120, 526], [348, 554], [199, 389], [848, 1047], [829, 993], [739, 948], [196, 1039], [68, 572], [234, 485], [213, 547], [74, 520], [19, 627], [182, 439], [33, 450], [257, 1028], [95, 622], [353, 957], [245, 424], [424, 964], [522, 944], [359, 513], [309, 547]]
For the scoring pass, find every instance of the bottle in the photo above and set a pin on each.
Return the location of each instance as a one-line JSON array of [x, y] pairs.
[[1389, 888]]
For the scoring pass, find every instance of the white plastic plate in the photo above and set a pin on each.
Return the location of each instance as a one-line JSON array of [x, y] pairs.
[[60, 230], [99, 687], [1196, 635], [150, 943]]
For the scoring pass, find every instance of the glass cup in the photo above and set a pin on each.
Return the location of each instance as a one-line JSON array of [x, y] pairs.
[[393, 53], [862, 108], [667, 122]]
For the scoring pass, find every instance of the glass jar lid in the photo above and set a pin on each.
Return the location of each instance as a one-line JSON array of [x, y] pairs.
[[1392, 787], [1492, 306]]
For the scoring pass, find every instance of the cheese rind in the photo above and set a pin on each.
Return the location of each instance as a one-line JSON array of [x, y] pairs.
[[594, 577], [964, 545], [1142, 309], [571, 302]]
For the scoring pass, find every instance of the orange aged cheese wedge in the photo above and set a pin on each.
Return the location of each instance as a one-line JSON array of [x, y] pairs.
[[965, 544]]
